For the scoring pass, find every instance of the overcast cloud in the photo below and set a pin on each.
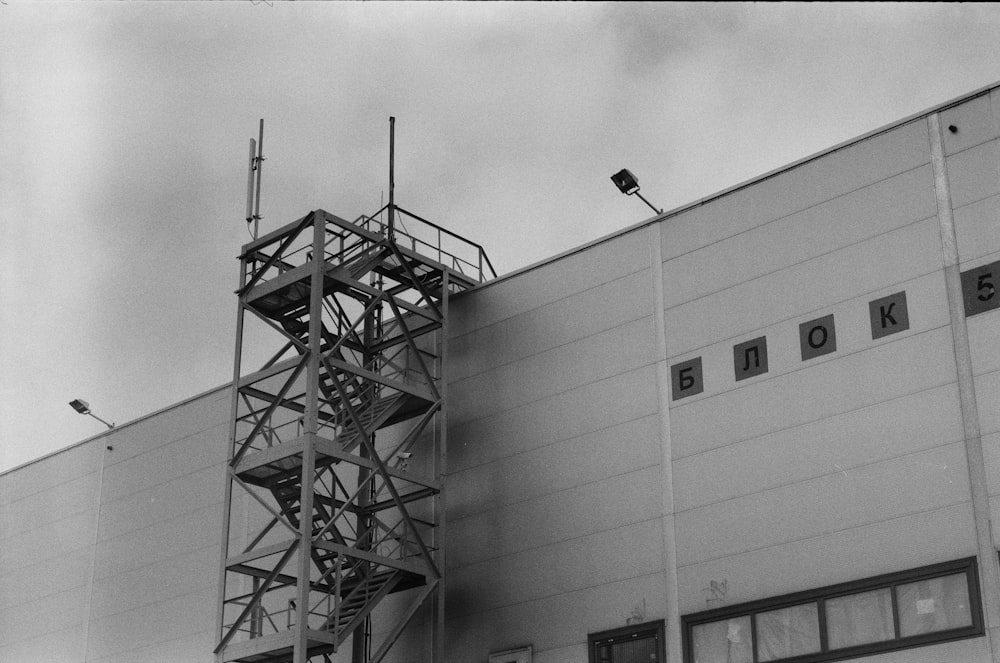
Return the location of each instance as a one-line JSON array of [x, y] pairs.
[[124, 129]]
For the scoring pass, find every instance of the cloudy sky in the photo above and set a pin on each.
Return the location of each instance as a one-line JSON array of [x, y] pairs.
[[124, 130]]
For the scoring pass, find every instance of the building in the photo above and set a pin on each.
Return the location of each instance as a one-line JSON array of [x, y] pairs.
[[761, 427]]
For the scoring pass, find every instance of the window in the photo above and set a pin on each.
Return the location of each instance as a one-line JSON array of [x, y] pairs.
[[788, 632], [642, 643], [519, 655], [896, 611]]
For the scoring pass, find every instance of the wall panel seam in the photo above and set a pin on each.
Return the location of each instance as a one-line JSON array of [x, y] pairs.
[[162, 445], [47, 488], [979, 260], [37, 596], [157, 643], [807, 365], [841, 470], [977, 201], [562, 440], [535, 309], [566, 593], [812, 422], [47, 560], [827, 254], [162, 560], [813, 312], [158, 647], [81, 508], [540, 496], [159, 523], [44, 636], [552, 544], [533, 355], [92, 571], [806, 209], [165, 482], [156, 600], [827, 533], [512, 409]]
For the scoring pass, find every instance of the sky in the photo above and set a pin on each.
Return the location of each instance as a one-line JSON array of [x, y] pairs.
[[124, 132]]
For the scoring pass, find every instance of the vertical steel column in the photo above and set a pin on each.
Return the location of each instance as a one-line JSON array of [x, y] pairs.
[[372, 329], [233, 416], [311, 428], [439, 475]]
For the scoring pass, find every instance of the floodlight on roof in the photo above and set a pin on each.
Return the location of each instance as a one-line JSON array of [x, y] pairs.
[[83, 407], [628, 184], [625, 181]]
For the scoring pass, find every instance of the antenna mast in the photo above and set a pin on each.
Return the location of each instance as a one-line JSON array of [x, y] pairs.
[[392, 184], [253, 180]]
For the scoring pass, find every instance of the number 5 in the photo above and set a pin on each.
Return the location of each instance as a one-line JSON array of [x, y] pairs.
[[984, 284]]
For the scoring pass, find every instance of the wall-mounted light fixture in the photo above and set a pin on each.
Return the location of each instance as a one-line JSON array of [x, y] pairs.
[[628, 184], [83, 407]]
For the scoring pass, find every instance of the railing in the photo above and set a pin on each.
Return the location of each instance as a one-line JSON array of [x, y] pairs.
[[263, 621], [428, 239], [342, 246]]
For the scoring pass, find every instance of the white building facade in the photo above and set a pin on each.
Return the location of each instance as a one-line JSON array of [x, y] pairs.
[[762, 427]]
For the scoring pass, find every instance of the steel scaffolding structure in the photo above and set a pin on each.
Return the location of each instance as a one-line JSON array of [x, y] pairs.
[[324, 523]]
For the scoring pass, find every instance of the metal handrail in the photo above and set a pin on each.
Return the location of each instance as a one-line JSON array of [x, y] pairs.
[[479, 265]]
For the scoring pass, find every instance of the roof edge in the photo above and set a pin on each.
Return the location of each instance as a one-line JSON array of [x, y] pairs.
[[969, 96], [111, 431]]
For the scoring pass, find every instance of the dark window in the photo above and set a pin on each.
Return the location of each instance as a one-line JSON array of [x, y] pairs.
[[642, 643], [895, 611]]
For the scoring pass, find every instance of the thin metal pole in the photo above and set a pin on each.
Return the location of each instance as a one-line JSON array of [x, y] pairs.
[[658, 211], [101, 420], [250, 173], [392, 180], [260, 165]]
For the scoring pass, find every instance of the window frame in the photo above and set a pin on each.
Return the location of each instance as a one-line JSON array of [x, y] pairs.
[[655, 628], [820, 595]]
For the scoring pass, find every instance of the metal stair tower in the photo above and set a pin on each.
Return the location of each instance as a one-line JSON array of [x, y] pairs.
[[333, 511]]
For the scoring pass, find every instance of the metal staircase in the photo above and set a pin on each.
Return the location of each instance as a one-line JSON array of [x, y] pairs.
[[324, 523]]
